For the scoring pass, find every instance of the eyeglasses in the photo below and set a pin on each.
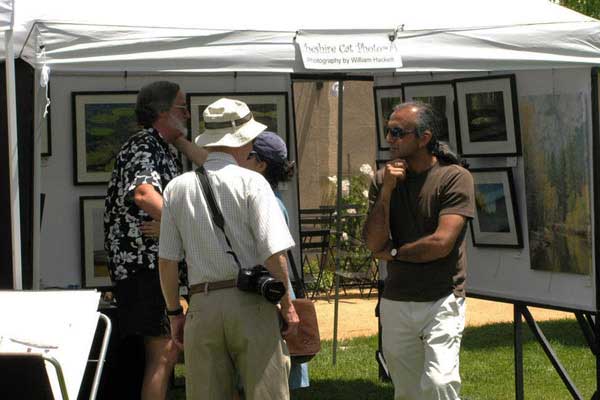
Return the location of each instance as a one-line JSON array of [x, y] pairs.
[[255, 155], [178, 106], [397, 132]]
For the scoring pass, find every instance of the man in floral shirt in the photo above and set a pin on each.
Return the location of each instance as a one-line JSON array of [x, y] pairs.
[[144, 166]]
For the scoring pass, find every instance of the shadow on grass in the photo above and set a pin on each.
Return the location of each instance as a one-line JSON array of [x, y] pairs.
[[486, 366], [340, 389], [565, 331]]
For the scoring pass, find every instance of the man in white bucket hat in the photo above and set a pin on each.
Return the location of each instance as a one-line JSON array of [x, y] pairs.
[[227, 329]]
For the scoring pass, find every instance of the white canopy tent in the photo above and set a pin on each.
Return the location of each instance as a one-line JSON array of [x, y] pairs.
[[187, 37], [261, 37], [463, 35]]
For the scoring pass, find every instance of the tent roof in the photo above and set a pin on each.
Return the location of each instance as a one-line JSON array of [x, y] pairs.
[[284, 16], [433, 35]]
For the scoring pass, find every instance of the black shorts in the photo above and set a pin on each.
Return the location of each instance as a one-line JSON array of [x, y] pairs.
[[141, 306]]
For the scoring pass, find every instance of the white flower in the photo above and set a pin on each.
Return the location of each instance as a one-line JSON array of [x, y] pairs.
[[351, 211], [344, 236], [332, 179], [366, 193], [366, 170], [345, 187]]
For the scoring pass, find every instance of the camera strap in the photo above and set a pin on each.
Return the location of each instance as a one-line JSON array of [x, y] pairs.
[[215, 212], [300, 290]]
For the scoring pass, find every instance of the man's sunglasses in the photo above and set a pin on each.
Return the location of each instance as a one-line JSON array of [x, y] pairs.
[[398, 132], [255, 155]]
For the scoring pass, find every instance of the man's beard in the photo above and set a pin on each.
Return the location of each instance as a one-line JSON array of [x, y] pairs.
[[178, 124]]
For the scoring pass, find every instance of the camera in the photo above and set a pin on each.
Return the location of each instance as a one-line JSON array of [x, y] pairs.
[[259, 280]]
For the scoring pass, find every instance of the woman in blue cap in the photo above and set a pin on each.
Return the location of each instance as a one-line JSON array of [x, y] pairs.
[[269, 158]]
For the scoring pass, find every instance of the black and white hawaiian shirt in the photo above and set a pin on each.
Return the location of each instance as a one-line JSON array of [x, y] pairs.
[[144, 158]]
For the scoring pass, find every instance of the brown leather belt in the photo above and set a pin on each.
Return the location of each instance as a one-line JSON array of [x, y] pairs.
[[205, 287]]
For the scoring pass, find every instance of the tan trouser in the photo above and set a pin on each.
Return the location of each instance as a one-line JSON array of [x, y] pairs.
[[228, 330]]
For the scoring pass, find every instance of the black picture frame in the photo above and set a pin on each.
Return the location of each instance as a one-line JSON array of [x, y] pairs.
[[441, 96], [93, 158], [488, 116], [385, 97], [262, 105], [94, 273], [501, 227]]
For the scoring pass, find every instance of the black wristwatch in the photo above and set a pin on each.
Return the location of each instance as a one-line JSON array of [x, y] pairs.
[[175, 312]]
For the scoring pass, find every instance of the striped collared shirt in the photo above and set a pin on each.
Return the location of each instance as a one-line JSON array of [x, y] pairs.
[[254, 223]]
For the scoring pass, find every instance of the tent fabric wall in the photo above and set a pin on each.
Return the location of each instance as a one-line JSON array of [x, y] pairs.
[[60, 253], [24, 88], [506, 273]]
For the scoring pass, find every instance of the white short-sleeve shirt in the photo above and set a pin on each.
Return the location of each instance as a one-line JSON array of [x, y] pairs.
[[254, 222]]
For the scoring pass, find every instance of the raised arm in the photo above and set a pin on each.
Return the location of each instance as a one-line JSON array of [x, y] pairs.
[[190, 150], [376, 231]]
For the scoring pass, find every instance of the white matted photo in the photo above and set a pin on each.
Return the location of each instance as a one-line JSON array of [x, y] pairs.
[[440, 95], [488, 116], [94, 259], [102, 123], [270, 109], [496, 222], [386, 97]]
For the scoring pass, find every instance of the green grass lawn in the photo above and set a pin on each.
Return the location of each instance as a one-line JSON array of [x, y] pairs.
[[487, 366]]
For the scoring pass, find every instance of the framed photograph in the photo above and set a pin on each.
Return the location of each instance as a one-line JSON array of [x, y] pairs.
[[102, 122], [269, 108], [386, 97], [559, 166], [94, 259], [488, 116], [440, 95], [496, 222]]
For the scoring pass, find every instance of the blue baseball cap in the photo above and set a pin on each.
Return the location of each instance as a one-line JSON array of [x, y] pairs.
[[269, 146]]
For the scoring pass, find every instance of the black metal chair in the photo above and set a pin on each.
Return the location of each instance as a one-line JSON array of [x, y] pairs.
[[315, 257], [358, 268]]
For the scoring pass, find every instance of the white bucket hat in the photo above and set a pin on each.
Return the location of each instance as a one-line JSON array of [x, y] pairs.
[[228, 123]]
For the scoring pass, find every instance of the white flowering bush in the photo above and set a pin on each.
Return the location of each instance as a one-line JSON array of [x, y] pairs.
[[355, 193], [355, 190]]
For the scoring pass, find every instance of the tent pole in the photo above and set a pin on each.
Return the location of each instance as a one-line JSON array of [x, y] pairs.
[[338, 219], [39, 107], [13, 161]]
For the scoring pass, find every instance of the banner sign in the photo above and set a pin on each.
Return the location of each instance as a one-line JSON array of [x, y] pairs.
[[348, 52]]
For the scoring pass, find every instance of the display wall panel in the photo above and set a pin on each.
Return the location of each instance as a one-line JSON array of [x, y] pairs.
[[555, 118], [60, 254]]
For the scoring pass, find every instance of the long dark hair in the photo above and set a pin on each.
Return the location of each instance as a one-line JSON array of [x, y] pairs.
[[426, 119], [278, 171]]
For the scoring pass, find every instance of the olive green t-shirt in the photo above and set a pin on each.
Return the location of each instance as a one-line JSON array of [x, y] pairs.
[[415, 207]]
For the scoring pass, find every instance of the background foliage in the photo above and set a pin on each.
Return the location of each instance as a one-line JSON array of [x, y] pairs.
[[587, 7]]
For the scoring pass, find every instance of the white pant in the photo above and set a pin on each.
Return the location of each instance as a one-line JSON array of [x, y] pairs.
[[421, 344]]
